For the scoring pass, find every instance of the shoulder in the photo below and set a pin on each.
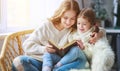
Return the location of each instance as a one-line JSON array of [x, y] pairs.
[[72, 35], [102, 29], [74, 31], [46, 23], [42, 28]]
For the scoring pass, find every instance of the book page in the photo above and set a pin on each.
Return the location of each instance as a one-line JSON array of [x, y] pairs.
[[69, 44]]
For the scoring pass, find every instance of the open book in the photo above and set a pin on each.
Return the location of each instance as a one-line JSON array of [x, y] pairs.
[[64, 49]]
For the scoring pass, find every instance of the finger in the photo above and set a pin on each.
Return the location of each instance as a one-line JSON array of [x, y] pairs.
[[92, 42], [79, 41], [49, 46], [92, 35], [47, 49], [52, 50]]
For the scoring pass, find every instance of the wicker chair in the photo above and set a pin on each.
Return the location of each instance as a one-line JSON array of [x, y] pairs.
[[12, 47]]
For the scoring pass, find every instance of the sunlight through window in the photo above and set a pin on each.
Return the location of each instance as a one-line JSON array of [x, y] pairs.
[[25, 14]]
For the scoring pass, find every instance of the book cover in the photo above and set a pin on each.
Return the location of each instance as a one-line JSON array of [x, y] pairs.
[[63, 49]]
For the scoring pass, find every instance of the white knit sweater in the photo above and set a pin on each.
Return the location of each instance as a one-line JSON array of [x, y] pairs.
[[100, 54], [34, 46], [89, 48]]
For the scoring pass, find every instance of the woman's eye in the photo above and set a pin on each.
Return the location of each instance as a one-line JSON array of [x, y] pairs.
[[73, 19], [65, 17]]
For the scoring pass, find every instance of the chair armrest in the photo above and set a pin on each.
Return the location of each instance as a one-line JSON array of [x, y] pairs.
[[12, 47]]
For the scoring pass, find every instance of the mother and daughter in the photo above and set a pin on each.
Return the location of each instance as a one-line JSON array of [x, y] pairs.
[[40, 55]]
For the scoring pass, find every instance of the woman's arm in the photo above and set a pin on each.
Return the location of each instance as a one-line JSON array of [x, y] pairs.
[[33, 44], [97, 36], [37, 42]]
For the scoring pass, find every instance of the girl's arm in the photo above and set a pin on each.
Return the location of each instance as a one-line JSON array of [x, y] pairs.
[[80, 44]]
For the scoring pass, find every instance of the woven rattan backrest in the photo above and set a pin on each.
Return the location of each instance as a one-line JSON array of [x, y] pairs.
[[12, 47]]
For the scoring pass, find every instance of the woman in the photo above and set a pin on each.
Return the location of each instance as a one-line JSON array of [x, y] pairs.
[[57, 28]]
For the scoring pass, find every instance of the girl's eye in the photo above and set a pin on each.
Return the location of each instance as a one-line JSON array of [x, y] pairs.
[[84, 24], [78, 23]]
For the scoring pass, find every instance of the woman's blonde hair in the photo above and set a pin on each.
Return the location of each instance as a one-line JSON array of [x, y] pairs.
[[88, 14], [65, 6]]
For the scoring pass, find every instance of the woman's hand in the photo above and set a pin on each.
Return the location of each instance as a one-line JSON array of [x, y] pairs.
[[95, 36], [80, 44], [49, 48]]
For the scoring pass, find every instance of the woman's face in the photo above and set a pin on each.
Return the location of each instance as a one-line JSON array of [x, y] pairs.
[[83, 25], [68, 19]]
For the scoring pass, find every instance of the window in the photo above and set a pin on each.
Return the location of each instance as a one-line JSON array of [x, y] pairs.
[[0, 13], [25, 14]]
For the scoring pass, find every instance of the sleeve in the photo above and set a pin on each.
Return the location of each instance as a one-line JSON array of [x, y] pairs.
[[36, 42], [103, 30]]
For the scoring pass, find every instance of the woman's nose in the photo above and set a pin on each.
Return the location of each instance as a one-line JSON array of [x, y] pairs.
[[67, 21]]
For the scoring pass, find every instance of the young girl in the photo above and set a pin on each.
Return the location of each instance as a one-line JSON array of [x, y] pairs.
[[100, 54]]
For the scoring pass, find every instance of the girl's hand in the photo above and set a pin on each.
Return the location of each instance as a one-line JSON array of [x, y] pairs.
[[49, 48], [80, 44]]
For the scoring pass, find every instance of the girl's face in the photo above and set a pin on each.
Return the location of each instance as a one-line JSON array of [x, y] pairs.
[[83, 25], [68, 19]]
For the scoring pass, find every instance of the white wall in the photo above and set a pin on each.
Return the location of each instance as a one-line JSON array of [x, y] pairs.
[[41, 10]]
